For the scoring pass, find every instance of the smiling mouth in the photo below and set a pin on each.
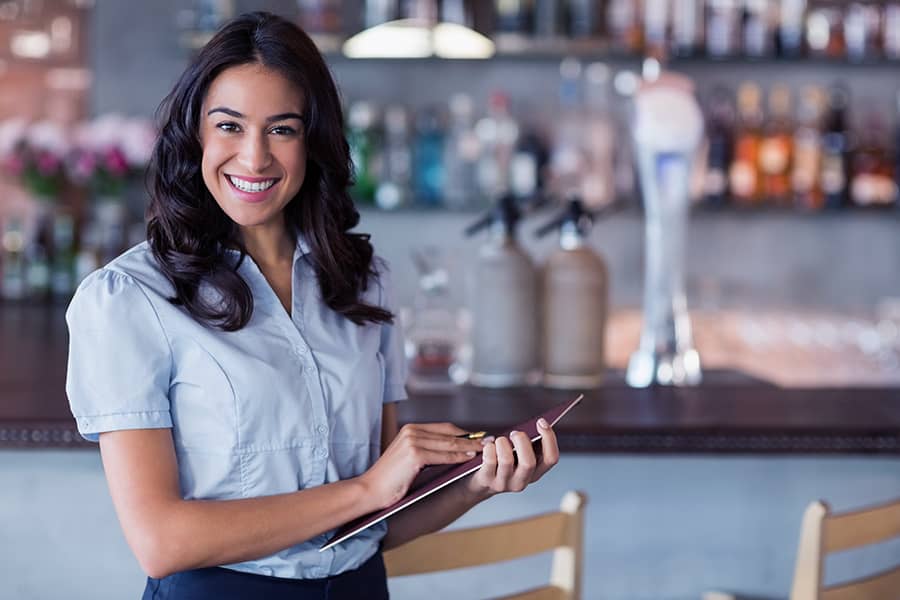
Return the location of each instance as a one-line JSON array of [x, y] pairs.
[[252, 187]]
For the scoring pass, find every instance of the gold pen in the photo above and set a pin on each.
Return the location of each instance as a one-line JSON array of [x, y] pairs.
[[475, 435]]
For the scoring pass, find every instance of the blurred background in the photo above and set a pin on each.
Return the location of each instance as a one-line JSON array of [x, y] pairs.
[[792, 265]]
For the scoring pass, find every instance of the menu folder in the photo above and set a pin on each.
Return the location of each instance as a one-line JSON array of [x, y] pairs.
[[435, 477]]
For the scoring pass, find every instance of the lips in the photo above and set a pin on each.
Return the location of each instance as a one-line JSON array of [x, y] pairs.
[[252, 189]]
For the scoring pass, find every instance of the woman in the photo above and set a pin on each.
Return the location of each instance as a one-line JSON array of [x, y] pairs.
[[240, 369]]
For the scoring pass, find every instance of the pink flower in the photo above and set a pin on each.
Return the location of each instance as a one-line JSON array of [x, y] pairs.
[[84, 166], [115, 162], [47, 164], [14, 165]]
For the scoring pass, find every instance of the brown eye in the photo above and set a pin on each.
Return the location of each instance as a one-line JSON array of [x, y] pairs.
[[228, 127]]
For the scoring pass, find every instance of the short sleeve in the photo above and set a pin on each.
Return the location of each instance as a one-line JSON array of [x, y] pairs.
[[120, 361], [391, 348]]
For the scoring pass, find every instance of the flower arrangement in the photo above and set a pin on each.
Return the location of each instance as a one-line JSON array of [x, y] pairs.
[[36, 154], [109, 152]]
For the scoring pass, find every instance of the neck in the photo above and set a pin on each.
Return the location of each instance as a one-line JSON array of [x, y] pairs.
[[268, 244]]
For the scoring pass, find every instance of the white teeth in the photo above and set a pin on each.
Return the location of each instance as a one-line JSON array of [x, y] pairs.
[[246, 186]]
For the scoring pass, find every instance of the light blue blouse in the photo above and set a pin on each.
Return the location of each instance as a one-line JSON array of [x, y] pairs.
[[287, 403]]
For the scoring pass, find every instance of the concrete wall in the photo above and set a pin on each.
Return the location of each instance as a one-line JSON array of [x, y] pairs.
[[657, 528]]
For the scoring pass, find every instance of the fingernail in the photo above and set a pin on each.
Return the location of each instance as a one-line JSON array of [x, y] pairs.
[[512, 433], [488, 440], [543, 424], [470, 453]]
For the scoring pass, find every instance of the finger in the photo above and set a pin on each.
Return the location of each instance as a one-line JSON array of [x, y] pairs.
[[488, 471], [506, 462], [525, 462], [444, 428], [549, 449], [439, 441], [435, 457]]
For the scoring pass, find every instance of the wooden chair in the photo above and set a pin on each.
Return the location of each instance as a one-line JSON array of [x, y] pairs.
[[824, 532], [560, 531]]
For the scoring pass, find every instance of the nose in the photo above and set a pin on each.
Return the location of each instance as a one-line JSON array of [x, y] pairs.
[[254, 153]]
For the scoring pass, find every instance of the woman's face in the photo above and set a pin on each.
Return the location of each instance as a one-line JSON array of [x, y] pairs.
[[254, 153]]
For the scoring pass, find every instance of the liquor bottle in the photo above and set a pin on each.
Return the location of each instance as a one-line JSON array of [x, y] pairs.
[[514, 18], [743, 175], [529, 160], [790, 28], [37, 262], [872, 174], [599, 139], [567, 159], [722, 28], [62, 267], [393, 188], [825, 32], [550, 19], [775, 148], [720, 133], [806, 168], [687, 27], [584, 18], [897, 149], [890, 31], [321, 19], [623, 21], [428, 158], [758, 28], [461, 156], [362, 138], [497, 133], [862, 30], [12, 259], [656, 28], [835, 148]]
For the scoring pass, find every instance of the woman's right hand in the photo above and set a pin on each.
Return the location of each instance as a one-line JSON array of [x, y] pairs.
[[414, 447]]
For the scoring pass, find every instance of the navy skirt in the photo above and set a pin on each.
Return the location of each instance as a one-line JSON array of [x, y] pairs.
[[369, 582]]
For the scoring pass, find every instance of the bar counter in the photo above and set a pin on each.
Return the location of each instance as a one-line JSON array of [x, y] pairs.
[[729, 413]]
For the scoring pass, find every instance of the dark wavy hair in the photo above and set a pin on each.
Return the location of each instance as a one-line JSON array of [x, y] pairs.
[[187, 230]]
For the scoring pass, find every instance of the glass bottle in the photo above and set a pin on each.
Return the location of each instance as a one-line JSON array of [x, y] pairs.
[[599, 139], [567, 160], [722, 28], [687, 27], [393, 188], [623, 22], [720, 134], [758, 28], [497, 133], [775, 148], [790, 28], [743, 175], [872, 174], [835, 148], [806, 168], [461, 156], [583, 18], [656, 28], [428, 158], [362, 138], [12, 259]]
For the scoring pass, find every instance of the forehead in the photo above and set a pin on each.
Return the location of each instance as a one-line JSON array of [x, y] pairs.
[[255, 91]]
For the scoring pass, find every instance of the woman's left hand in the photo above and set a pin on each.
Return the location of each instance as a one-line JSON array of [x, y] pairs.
[[503, 470]]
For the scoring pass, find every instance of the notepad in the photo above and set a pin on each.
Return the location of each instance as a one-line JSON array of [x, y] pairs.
[[436, 477]]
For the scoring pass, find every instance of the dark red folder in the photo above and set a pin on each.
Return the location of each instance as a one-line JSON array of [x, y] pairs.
[[433, 478]]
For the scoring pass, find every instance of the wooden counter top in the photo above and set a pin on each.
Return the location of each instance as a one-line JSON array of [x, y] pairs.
[[728, 414]]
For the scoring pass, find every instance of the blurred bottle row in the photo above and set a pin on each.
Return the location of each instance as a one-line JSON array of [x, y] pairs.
[[716, 28], [777, 147]]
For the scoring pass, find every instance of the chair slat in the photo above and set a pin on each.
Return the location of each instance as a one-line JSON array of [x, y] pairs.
[[883, 586], [548, 592], [859, 528], [481, 545]]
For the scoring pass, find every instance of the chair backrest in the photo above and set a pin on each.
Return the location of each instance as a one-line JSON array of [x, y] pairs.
[[561, 531], [824, 532]]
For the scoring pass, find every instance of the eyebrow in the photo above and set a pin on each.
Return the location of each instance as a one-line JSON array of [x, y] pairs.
[[272, 119]]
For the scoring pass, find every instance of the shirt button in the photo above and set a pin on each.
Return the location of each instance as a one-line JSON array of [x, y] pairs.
[[322, 429], [321, 452], [310, 369]]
